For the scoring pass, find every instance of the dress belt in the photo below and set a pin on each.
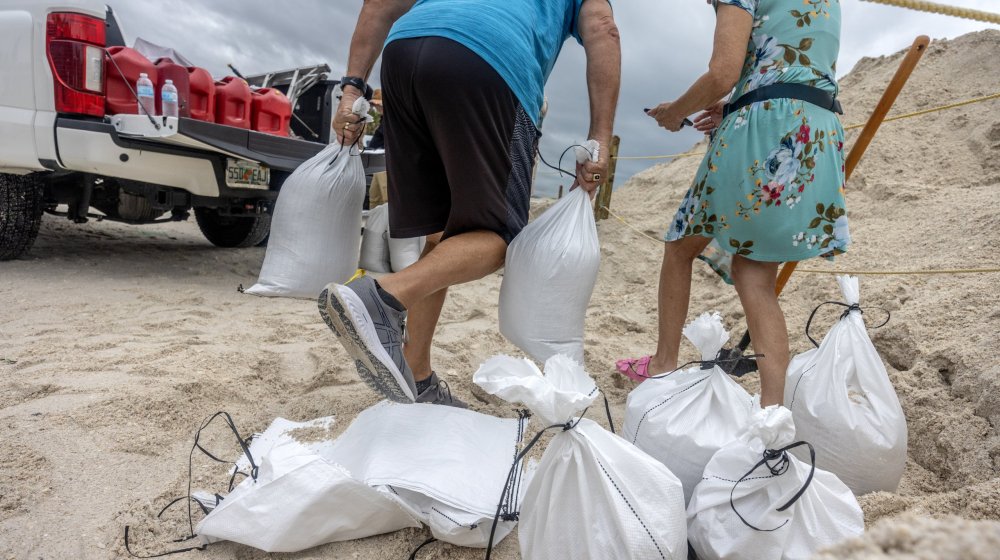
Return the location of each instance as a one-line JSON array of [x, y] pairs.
[[816, 96]]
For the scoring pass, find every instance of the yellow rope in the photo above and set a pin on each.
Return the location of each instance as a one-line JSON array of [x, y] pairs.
[[934, 8], [853, 126], [899, 272], [671, 156], [831, 271], [932, 110]]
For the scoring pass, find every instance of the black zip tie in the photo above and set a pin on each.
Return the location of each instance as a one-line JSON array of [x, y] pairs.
[[705, 364], [425, 543], [507, 487], [780, 455], [850, 308], [607, 410]]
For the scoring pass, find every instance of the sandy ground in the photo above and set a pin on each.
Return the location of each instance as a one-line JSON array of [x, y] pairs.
[[116, 341]]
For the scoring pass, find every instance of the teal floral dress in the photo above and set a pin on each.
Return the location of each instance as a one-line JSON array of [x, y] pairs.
[[771, 187]]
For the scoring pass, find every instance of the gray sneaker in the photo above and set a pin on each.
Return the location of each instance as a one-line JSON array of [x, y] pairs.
[[372, 333], [439, 393]]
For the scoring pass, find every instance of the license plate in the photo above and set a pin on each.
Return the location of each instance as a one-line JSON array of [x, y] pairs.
[[242, 174]]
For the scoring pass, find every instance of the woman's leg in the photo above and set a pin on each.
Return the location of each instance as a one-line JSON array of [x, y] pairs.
[[673, 298], [755, 283]]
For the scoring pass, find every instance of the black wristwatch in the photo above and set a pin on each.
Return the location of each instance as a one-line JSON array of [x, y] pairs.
[[358, 83]]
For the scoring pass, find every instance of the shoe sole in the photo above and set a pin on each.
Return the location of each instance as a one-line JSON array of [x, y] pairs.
[[344, 312]]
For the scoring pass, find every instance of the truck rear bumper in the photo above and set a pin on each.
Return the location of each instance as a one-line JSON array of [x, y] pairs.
[[187, 154]]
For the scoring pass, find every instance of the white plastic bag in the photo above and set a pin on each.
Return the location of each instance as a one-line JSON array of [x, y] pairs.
[[316, 229], [593, 495], [394, 467], [844, 404], [550, 273], [684, 418], [375, 241], [740, 510], [299, 500], [445, 465]]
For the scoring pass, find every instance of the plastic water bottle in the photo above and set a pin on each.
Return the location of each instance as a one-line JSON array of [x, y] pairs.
[[169, 98], [147, 95]]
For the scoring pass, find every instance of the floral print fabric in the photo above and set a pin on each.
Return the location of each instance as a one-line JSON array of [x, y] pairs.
[[771, 187]]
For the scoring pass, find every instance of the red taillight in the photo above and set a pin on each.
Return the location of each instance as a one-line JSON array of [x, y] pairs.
[[75, 45]]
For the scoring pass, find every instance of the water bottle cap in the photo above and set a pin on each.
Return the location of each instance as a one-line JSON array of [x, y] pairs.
[[170, 81], [143, 75]]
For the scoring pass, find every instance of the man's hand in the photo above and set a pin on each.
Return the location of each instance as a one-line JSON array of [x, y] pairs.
[[348, 126], [591, 174], [666, 118], [710, 119], [369, 35]]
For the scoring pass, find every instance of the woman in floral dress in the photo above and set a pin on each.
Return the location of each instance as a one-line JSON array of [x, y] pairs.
[[771, 187]]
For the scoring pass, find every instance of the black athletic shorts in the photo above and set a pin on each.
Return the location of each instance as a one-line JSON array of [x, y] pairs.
[[459, 147]]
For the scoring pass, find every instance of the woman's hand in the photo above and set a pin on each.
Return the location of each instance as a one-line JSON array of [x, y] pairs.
[[348, 126], [710, 119], [666, 118]]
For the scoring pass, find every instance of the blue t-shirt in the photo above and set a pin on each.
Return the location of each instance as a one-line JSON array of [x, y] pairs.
[[520, 39]]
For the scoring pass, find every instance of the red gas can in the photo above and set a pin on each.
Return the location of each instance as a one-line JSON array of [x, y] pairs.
[[232, 102], [272, 112], [202, 99], [167, 69], [123, 72]]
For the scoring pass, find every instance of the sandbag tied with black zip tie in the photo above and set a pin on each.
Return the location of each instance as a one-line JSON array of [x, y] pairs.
[[316, 225], [682, 418], [843, 402], [757, 500], [592, 495]]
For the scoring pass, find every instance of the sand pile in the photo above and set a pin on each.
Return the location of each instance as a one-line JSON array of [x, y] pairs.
[[116, 341]]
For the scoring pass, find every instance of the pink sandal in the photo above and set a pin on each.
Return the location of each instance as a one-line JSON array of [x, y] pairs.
[[636, 369]]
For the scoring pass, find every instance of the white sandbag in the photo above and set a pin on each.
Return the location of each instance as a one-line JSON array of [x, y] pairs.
[[739, 483], [394, 467], [593, 495], [550, 273], [299, 500], [380, 252], [316, 229], [375, 241], [844, 404], [682, 419], [404, 251], [446, 465]]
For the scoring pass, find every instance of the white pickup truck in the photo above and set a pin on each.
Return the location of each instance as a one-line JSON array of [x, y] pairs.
[[58, 149]]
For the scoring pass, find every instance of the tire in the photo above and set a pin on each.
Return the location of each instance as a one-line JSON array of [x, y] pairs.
[[232, 231], [21, 207]]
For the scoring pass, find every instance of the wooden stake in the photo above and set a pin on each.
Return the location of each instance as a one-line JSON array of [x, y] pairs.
[[603, 200], [871, 127]]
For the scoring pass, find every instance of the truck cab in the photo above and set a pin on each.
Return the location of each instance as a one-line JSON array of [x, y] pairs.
[[61, 154]]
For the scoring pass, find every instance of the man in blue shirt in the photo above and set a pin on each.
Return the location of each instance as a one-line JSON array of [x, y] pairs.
[[462, 84]]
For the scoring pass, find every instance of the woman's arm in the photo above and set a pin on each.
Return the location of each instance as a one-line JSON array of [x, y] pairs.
[[732, 33]]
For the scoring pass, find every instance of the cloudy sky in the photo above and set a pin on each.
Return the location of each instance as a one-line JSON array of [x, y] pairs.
[[665, 46]]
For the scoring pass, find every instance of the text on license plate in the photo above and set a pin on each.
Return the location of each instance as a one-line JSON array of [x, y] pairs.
[[247, 174]]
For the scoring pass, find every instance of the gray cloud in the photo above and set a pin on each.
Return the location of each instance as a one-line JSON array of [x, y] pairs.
[[666, 44]]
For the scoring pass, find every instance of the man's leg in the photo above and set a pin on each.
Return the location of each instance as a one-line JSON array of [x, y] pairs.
[[755, 283], [423, 317], [673, 299]]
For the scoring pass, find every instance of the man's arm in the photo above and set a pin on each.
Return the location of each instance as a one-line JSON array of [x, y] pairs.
[[601, 43], [374, 23]]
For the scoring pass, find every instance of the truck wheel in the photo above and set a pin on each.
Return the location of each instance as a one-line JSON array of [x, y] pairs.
[[21, 206], [232, 231]]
